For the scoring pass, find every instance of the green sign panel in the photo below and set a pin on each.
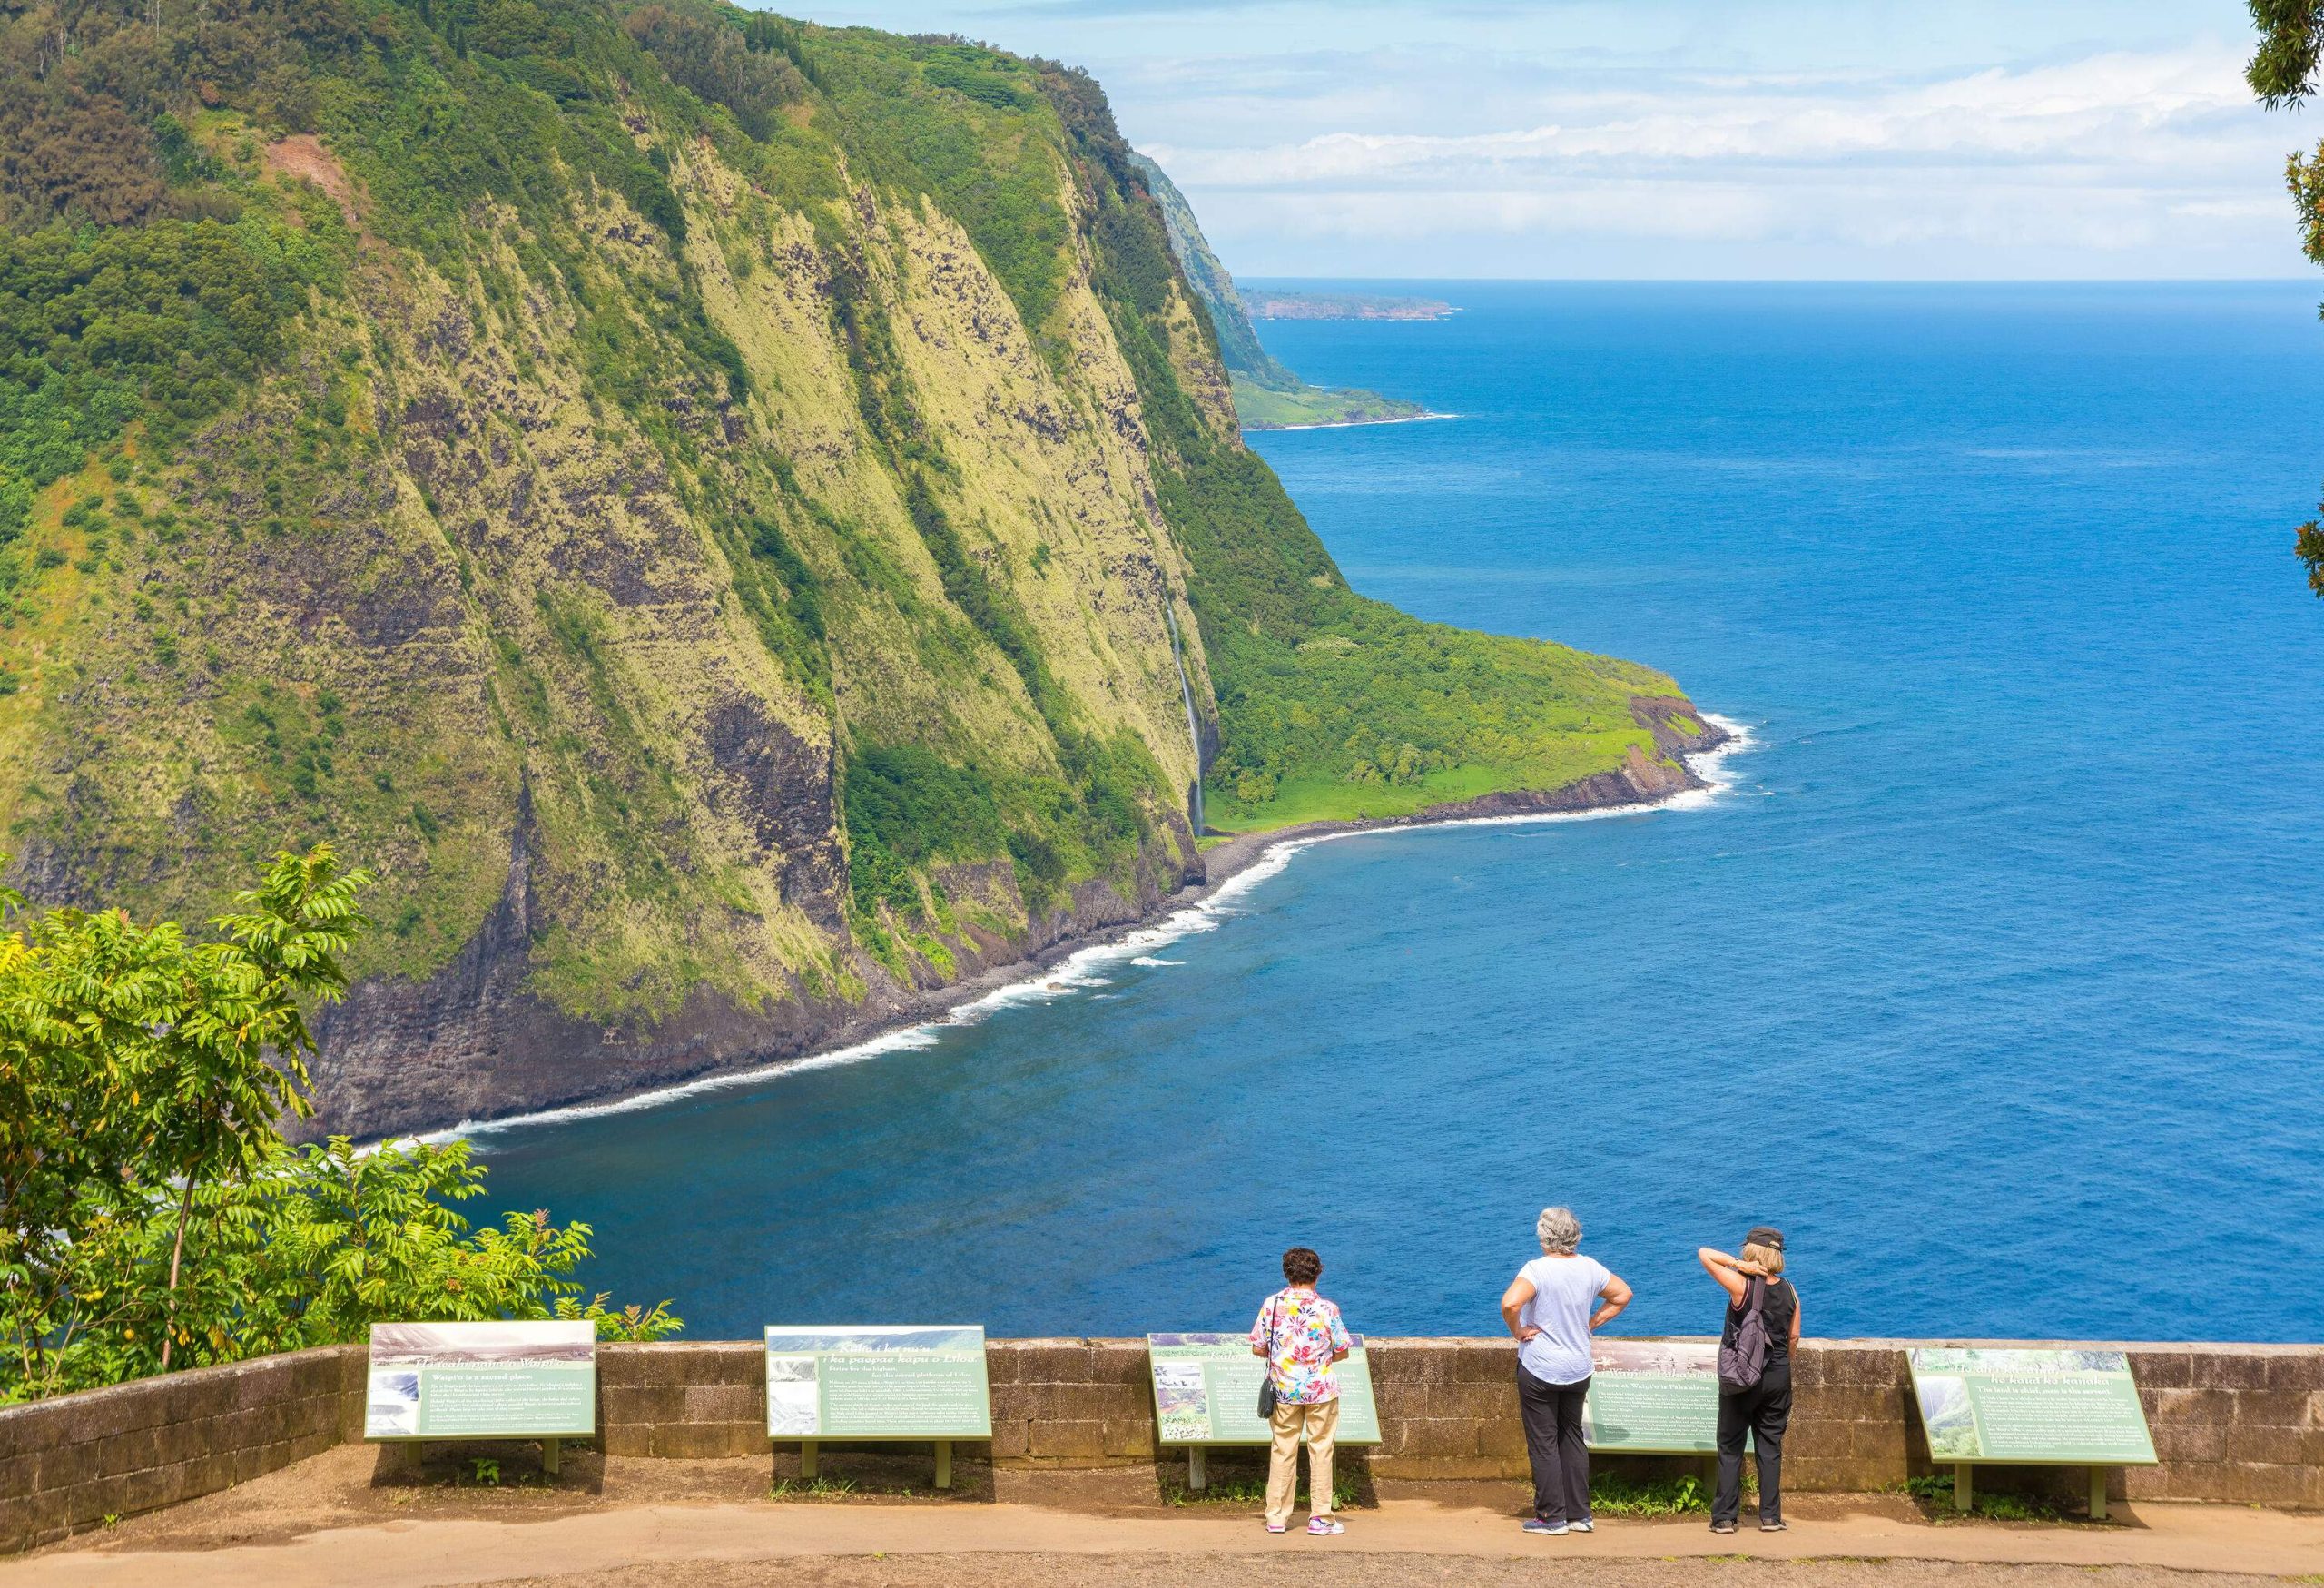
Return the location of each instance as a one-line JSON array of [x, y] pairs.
[[1658, 1398], [877, 1381], [1207, 1392], [2067, 1408], [482, 1381]]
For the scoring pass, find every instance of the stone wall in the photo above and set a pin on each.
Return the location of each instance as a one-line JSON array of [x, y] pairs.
[[67, 1463], [2239, 1424]]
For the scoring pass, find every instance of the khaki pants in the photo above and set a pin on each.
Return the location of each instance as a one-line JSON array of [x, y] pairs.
[[1319, 1422]]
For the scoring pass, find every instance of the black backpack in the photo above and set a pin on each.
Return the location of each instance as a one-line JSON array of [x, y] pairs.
[[1743, 1357]]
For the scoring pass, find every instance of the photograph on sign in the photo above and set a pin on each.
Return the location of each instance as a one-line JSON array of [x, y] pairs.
[[482, 1380], [1654, 1397], [2019, 1403], [877, 1382], [1207, 1392]]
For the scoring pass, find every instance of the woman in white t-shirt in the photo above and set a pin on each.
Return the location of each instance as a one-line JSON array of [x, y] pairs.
[[1550, 1308]]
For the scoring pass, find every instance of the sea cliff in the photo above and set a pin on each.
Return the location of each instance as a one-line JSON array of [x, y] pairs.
[[742, 524]]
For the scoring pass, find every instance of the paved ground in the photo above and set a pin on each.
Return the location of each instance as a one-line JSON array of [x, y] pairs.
[[329, 1523]]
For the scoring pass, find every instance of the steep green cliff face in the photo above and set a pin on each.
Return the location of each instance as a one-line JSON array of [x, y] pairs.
[[732, 519], [1267, 395]]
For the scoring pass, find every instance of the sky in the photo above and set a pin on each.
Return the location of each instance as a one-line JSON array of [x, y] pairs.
[[1687, 139]]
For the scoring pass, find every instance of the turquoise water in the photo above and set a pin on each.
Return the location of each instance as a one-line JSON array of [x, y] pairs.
[[1994, 977]]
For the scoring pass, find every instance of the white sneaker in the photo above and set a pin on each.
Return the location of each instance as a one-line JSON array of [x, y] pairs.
[[1323, 1527]]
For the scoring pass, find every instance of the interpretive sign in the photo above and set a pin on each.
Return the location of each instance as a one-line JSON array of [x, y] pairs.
[[1207, 1392], [877, 1382], [1985, 1405], [1656, 1397], [482, 1381]]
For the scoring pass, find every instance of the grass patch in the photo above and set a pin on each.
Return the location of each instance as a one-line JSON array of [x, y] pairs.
[[1268, 408], [1935, 1491], [1611, 1494], [814, 1488]]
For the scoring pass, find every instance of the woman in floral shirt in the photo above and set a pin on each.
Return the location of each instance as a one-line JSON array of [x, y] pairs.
[[1300, 1336]]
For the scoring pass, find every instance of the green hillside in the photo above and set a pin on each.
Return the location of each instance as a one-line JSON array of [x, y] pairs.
[[699, 503], [1267, 395]]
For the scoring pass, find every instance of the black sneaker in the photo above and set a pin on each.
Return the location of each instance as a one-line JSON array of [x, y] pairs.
[[1722, 1527], [1776, 1526]]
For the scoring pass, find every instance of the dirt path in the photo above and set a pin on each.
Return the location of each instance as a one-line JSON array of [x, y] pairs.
[[331, 1522]]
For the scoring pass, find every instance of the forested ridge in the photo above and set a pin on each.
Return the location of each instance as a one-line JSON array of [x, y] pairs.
[[696, 502]]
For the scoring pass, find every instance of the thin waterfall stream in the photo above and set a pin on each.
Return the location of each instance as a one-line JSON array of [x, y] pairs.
[[1187, 694]]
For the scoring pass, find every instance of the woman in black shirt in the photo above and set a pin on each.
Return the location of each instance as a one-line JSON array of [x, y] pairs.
[[1764, 1410]]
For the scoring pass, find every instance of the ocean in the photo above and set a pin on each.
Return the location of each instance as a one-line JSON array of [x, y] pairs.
[[1990, 972]]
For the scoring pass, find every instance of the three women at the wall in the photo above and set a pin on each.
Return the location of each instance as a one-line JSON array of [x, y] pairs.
[[1753, 1372], [1552, 1306], [1302, 1340]]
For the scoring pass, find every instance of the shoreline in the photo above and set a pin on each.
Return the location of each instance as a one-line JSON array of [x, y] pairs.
[[1408, 419], [1232, 869]]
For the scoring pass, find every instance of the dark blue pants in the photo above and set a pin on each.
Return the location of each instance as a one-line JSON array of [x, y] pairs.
[[1556, 1446]]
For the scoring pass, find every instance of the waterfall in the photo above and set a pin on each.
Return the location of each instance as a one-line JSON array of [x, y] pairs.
[[1187, 694]]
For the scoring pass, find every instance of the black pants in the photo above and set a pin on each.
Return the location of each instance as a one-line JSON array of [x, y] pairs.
[[1763, 1412], [1556, 1446]]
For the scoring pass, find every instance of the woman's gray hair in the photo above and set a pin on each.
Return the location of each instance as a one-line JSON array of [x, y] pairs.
[[1560, 1230]]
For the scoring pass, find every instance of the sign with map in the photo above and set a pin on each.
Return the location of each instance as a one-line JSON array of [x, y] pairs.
[[482, 1381], [1207, 1392], [2012, 1404], [1657, 1397], [878, 1381]]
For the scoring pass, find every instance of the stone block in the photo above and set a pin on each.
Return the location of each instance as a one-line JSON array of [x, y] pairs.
[[1503, 1436], [724, 1403], [1816, 1437], [1444, 1468], [705, 1440], [2178, 1442], [2162, 1368], [2279, 1408], [20, 1472], [1130, 1438], [2296, 1370], [2213, 1406], [1483, 1361], [1485, 1400], [1001, 1362], [2258, 1484], [1055, 1362], [649, 1403], [1120, 1361], [147, 1491], [1404, 1367], [2261, 1442], [1435, 1436], [2230, 1370], [1880, 1367], [1011, 1438], [625, 1439], [1033, 1402], [1066, 1441], [1089, 1401]]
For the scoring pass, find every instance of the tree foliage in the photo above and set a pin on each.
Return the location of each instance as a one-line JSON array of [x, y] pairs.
[[150, 1216], [2282, 73]]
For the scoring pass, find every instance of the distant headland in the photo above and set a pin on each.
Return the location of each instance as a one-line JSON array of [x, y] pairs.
[[1261, 303]]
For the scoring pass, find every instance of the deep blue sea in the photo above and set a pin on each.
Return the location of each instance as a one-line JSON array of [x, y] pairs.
[[1995, 978]]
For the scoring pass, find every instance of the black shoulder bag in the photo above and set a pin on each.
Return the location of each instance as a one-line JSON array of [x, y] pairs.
[[1266, 1374]]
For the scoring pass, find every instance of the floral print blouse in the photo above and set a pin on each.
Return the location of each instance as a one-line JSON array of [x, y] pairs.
[[1300, 1332]]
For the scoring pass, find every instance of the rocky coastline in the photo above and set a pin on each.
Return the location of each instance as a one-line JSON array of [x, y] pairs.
[[470, 1046]]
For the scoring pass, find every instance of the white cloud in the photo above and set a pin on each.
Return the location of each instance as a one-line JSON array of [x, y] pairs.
[[2114, 163]]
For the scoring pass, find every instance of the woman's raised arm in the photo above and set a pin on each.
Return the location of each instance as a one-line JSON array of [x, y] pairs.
[[1730, 1272]]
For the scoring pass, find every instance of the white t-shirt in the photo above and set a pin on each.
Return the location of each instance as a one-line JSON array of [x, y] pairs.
[[1565, 1293]]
